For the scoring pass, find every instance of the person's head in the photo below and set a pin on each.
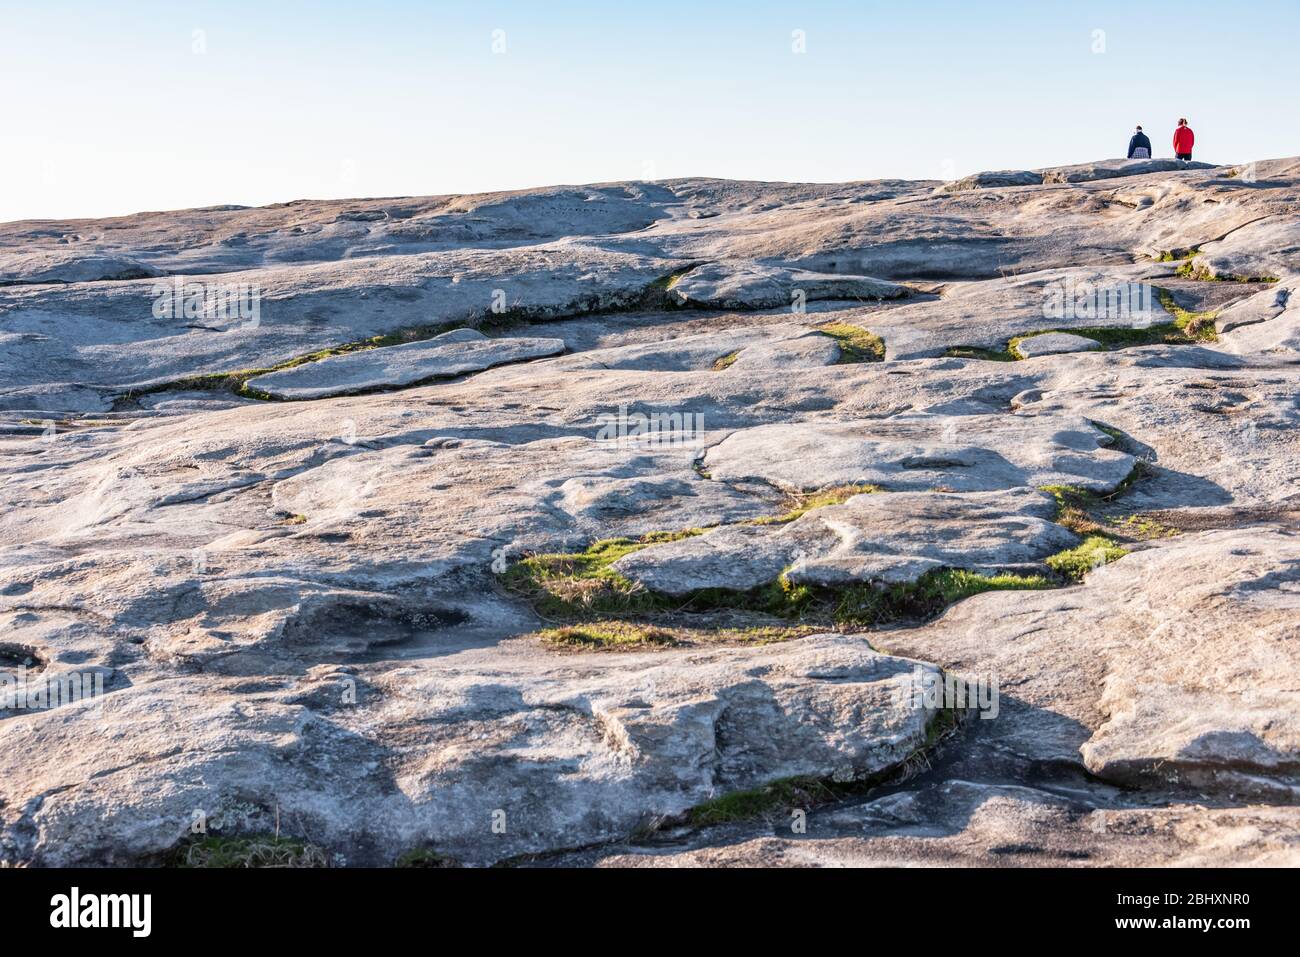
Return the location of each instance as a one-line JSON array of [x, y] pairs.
[[1182, 122], [1139, 127]]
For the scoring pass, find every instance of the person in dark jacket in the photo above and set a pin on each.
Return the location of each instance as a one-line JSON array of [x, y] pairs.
[[1139, 147], [1183, 140]]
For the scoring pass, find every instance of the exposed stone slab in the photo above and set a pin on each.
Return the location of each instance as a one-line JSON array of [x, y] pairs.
[[1112, 169], [1267, 322], [970, 824], [450, 354], [564, 754], [995, 179], [747, 285], [1182, 661], [65, 267], [1054, 343], [919, 452], [885, 538]]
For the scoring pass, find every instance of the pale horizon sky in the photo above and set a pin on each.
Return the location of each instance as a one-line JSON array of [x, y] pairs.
[[119, 107]]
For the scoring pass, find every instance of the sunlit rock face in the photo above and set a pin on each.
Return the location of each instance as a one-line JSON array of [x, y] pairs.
[[959, 518]]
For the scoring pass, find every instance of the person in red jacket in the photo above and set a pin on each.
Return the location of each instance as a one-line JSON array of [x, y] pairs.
[[1183, 140]]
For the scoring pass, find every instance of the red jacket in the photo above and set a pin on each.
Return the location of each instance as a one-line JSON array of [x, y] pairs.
[[1183, 139]]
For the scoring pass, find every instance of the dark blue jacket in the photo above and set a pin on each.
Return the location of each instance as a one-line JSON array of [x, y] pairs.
[[1139, 139]]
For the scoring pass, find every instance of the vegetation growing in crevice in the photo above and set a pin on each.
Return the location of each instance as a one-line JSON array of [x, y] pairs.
[[592, 605], [260, 851], [1198, 326], [653, 296], [561, 585], [1187, 328], [978, 352], [725, 362], [802, 503], [867, 604], [1093, 552], [1142, 527], [1097, 516], [421, 857], [608, 634], [1074, 509], [1201, 272], [856, 344], [667, 631], [583, 588]]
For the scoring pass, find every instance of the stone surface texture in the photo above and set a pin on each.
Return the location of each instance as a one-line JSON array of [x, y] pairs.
[[282, 544]]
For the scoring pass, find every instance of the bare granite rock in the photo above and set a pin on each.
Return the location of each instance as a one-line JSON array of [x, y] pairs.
[[908, 452], [324, 609], [560, 752], [450, 354], [738, 285], [1054, 343]]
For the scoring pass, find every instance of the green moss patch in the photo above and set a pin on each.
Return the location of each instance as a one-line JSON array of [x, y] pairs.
[[1202, 273], [976, 352], [779, 796], [1087, 513], [725, 362], [583, 583], [608, 634], [1195, 326], [1074, 509], [1095, 551], [856, 344], [592, 606], [1142, 527], [866, 605]]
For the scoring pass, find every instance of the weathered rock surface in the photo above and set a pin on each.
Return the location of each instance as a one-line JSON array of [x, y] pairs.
[[587, 749], [1182, 661], [53, 266], [450, 354], [732, 285], [1083, 173], [910, 452], [995, 179], [1110, 169], [970, 824], [301, 605], [1267, 322]]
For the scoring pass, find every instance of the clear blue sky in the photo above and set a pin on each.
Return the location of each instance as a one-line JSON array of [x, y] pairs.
[[108, 108]]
